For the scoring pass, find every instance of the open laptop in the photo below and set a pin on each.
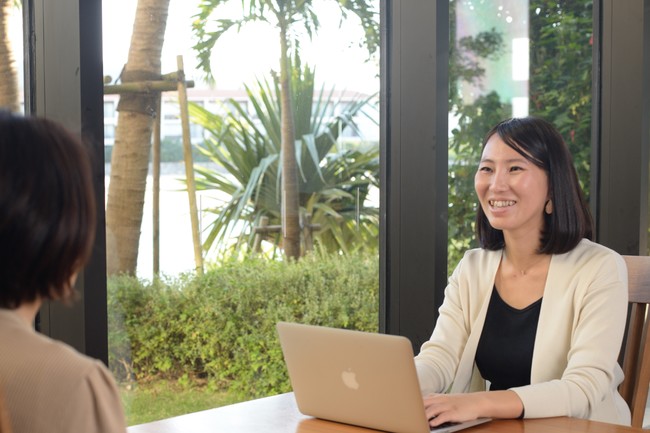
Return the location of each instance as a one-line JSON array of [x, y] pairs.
[[360, 378]]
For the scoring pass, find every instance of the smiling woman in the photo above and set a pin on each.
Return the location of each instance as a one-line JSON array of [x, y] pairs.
[[537, 282], [541, 147], [511, 189]]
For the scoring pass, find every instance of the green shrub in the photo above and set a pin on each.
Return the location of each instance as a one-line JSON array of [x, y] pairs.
[[220, 327]]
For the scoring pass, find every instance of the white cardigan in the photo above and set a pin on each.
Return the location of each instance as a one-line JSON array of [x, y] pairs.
[[581, 324]]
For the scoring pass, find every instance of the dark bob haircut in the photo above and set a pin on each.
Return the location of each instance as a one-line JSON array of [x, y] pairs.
[[540, 143], [47, 209]]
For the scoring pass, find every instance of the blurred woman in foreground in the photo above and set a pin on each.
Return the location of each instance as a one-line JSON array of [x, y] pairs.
[[47, 226]]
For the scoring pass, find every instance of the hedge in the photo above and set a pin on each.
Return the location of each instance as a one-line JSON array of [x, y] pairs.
[[219, 328]]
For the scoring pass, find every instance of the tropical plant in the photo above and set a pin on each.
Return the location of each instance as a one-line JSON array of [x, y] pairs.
[[130, 157], [334, 181], [560, 73], [285, 15]]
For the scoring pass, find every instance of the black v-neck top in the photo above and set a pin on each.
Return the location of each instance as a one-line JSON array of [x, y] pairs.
[[505, 350]]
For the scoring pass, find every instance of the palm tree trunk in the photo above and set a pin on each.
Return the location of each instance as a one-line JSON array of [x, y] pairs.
[[130, 159], [8, 76], [290, 206]]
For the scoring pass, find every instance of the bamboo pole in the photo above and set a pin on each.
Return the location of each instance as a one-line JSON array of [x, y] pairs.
[[144, 87], [156, 186], [189, 166]]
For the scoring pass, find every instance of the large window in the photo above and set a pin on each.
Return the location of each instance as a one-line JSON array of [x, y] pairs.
[[512, 59], [196, 270]]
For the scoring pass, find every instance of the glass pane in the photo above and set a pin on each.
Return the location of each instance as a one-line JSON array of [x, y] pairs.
[[11, 56], [186, 336], [510, 59]]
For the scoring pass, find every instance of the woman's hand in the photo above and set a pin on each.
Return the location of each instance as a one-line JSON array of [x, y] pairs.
[[441, 408]]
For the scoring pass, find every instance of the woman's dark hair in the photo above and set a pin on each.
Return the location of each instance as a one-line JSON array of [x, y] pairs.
[[540, 143], [47, 209]]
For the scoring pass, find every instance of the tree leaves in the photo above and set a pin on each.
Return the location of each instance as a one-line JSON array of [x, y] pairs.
[[334, 182]]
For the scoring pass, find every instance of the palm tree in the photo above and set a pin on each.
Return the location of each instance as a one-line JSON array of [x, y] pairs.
[[130, 158], [8, 77], [284, 14], [334, 181]]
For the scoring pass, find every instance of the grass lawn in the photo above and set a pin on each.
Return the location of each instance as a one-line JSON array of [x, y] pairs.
[[146, 402]]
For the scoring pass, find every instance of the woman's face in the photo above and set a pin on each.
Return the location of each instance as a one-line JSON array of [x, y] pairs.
[[512, 190]]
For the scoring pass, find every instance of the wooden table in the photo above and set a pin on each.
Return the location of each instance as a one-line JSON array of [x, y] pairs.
[[279, 414]]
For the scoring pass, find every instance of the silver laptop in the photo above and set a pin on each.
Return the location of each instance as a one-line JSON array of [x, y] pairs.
[[360, 378]]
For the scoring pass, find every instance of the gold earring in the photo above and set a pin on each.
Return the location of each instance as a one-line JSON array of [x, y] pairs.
[[548, 208]]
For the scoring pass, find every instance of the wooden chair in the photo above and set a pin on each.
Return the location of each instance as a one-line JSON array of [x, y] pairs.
[[636, 357]]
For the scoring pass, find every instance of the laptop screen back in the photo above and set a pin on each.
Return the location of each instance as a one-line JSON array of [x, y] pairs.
[[360, 378]]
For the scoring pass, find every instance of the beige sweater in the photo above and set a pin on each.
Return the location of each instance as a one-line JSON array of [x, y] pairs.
[[574, 369], [49, 387]]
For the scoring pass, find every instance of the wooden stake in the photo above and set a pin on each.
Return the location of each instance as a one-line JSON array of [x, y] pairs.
[[189, 166], [155, 157]]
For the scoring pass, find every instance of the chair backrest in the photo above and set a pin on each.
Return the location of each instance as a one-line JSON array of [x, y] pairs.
[[636, 356]]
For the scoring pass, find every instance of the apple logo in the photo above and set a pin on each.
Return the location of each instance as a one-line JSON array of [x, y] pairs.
[[350, 379]]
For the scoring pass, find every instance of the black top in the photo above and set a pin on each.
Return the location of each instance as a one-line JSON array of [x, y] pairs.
[[505, 351]]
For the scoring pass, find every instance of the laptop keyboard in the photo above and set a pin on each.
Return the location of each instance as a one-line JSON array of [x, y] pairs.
[[442, 427]]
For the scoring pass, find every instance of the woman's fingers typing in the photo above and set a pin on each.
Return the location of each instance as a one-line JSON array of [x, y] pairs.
[[442, 408]]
